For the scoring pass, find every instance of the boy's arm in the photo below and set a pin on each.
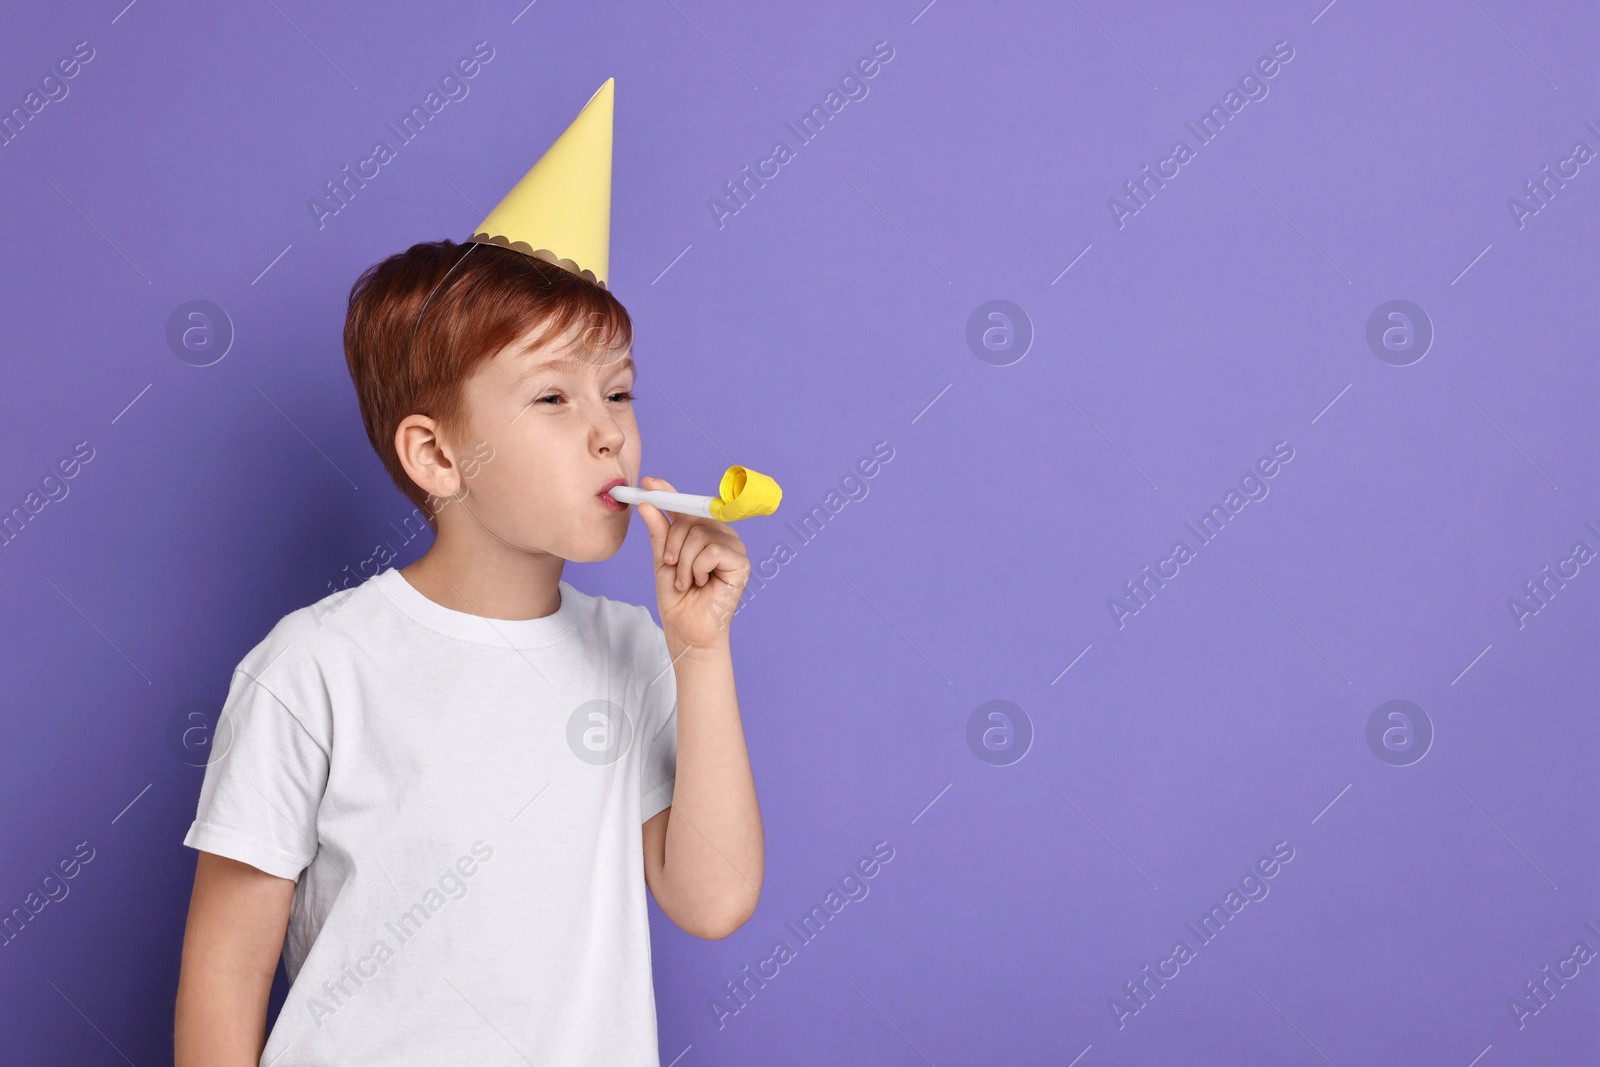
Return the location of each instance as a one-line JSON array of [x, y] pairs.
[[237, 919], [705, 853]]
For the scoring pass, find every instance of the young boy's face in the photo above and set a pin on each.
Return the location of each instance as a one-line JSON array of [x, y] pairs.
[[548, 429]]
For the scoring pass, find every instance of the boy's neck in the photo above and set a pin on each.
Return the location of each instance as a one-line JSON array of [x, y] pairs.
[[494, 581]]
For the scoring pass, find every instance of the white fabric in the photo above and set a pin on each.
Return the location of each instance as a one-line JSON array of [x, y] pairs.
[[470, 865]]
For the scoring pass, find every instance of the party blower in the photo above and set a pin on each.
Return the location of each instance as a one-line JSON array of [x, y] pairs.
[[744, 493]]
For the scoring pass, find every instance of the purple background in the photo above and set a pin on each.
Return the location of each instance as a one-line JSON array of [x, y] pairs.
[[830, 313]]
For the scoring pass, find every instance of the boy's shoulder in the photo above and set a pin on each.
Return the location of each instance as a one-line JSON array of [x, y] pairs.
[[301, 644], [617, 623], [328, 621], [616, 611]]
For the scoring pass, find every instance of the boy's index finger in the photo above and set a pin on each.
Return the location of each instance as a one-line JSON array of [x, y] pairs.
[[673, 518]]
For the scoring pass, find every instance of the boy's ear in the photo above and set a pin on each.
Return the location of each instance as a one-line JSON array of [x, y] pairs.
[[426, 456]]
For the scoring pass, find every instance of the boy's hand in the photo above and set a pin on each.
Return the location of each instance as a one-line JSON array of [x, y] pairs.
[[701, 570]]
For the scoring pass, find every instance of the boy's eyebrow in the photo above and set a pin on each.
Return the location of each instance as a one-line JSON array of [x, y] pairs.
[[568, 362]]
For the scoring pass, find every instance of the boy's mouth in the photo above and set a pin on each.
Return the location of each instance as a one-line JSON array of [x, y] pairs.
[[611, 503]]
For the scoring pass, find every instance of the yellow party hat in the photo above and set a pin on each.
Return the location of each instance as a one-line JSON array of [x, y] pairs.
[[560, 211]]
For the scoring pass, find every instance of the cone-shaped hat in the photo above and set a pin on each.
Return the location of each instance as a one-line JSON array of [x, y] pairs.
[[561, 209]]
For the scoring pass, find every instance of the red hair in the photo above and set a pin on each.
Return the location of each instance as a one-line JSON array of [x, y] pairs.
[[420, 322]]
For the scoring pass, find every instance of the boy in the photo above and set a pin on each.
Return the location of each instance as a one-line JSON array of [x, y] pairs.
[[446, 790]]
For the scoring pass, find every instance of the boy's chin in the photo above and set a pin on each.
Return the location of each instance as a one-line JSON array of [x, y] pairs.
[[595, 550], [590, 557]]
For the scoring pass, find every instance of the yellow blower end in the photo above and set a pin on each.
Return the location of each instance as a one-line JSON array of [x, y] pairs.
[[745, 493]]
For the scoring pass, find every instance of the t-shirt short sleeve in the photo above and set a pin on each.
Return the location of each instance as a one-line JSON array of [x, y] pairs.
[[659, 765], [265, 778]]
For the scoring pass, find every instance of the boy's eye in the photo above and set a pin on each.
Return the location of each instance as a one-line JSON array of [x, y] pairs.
[[555, 398]]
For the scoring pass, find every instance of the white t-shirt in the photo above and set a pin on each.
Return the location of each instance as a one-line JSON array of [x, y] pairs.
[[460, 799]]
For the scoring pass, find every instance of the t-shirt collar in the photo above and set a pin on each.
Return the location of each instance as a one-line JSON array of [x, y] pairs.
[[479, 629]]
